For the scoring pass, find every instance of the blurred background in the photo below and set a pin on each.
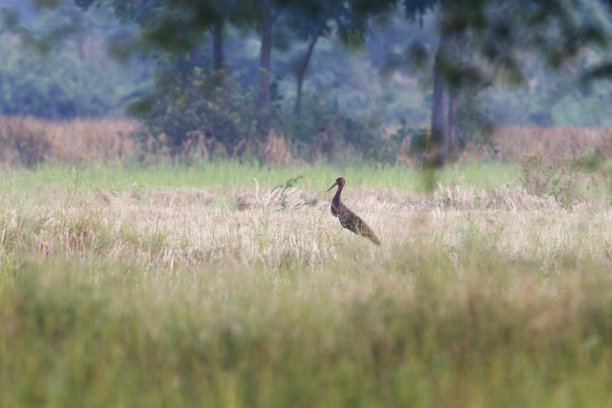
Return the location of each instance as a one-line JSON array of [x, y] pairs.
[[284, 82]]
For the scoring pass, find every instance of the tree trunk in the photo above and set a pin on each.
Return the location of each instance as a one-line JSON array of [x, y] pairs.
[[263, 105], [456, 45], [440, 111], [445, 98], [217, 39], [302, 73], [195, 57], [451, 135]]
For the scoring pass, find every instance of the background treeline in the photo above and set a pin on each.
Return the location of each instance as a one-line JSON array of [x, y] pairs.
[[312, 80]]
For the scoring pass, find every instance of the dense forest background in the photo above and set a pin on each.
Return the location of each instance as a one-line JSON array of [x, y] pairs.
[[338, 83]]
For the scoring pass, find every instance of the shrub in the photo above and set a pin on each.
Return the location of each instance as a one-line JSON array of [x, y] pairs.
[[196, 111], [209, 114], [322, 131]]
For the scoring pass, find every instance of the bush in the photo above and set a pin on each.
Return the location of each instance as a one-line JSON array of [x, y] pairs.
[[323, 132], [198, 111], [210, 114]]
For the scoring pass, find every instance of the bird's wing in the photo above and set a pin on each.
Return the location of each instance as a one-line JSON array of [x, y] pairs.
[[353, 222]]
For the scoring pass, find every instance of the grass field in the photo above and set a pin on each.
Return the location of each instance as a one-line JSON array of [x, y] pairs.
[[174, 286]]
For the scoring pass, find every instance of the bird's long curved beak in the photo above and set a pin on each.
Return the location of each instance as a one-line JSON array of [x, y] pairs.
[[332, 186]]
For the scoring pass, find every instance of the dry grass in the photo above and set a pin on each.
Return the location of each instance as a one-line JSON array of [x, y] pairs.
[[28, 141], [275, 150], [190, 228], [137, 295], [559, 143], [120, 286]]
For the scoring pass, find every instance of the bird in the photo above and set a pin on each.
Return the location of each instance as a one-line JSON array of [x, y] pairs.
[[349, 219]]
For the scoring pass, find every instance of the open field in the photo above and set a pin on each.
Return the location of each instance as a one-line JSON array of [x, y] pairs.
[[173, 286]]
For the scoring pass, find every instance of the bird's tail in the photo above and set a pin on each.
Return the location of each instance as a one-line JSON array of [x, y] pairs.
[[369, 234], [375, 239]]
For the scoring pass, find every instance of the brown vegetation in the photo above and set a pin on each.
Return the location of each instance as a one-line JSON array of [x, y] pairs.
[[512, 143], [275, 150], [27, 141], [189, 228]]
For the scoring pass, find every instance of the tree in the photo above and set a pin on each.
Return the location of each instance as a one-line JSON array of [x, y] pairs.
[[178, 27], [311, 20], [481, 42], [47, 72], [447, 84], [267, 16]]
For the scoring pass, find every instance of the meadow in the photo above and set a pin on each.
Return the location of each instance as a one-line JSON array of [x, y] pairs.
[[231, 285]]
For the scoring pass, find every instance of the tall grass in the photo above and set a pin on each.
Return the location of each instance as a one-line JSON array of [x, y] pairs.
[[28, 142], [128, 287], [560, 142]]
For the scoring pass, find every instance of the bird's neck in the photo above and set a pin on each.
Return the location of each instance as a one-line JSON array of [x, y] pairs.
[[336, 200]]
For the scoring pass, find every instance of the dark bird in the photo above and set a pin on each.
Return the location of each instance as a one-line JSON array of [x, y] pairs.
[[349, 219]]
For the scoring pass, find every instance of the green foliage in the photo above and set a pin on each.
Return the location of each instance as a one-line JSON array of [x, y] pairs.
[[111, 336], [215, 113], [408, 141], [194, 108], [61, 85], [322, 131], [474, 125]]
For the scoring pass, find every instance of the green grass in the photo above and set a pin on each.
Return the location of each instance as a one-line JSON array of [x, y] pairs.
[[122, 289], [231, 174]]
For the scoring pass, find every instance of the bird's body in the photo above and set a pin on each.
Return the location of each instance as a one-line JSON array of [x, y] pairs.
[[349, 219]]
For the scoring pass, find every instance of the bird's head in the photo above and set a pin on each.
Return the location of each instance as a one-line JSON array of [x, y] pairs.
[[339, 182]]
